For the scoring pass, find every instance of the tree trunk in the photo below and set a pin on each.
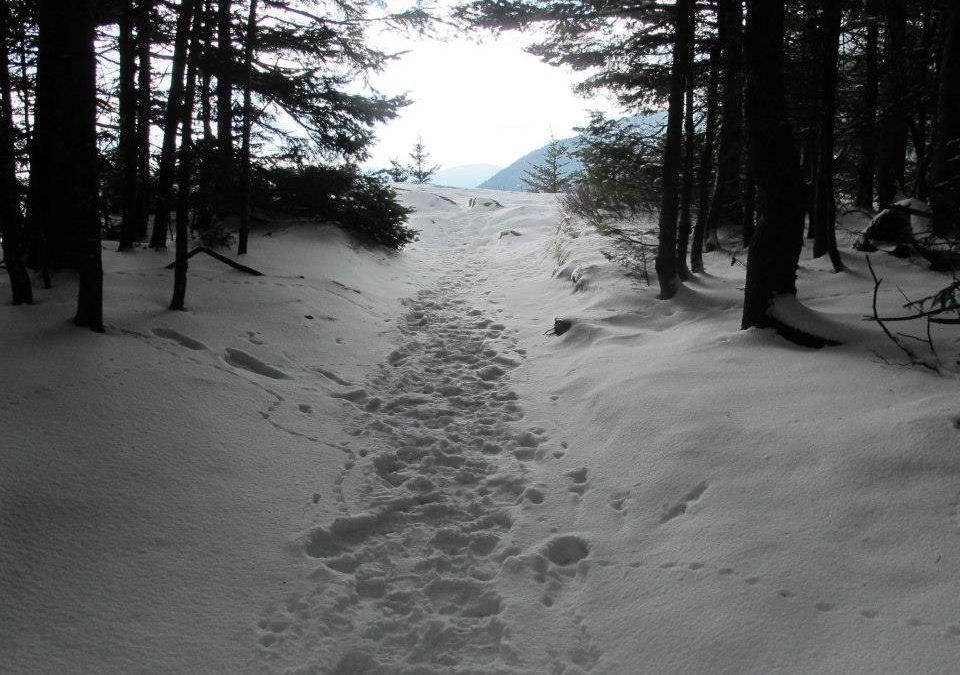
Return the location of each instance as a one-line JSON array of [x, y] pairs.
[[127, 144], [247, 123], [825, 208], [945, 161], [225, 173], [666, 261], [778, 240], [144, 110], [161, 219], [892, 149], [63, 179], [11, 218], [749, 203], [725, 206], [868, 128], [185, 166], [689, 162], [706, 161]]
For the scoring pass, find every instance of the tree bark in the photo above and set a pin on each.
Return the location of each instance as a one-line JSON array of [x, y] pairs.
[[945, 161], [725, 205], [689, 158], [706, 161], [778, 240], [247, 124], [144, 116], [185, 167], [868, 125], [63, 180], [825, 208], [892, 149], [225, 174], [666, 261], [161, 219], [127, 144], [11, 218]]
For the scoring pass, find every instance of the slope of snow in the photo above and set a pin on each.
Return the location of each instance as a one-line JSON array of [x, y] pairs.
[[373, 463]]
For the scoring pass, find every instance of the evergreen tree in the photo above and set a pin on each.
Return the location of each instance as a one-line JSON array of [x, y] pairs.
[[397, 172], [549, 176], [420, 169]]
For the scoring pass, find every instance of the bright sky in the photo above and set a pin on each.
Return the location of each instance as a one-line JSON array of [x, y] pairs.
[[486, 103]]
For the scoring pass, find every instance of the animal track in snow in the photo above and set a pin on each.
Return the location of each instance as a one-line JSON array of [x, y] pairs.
[[678, 508]]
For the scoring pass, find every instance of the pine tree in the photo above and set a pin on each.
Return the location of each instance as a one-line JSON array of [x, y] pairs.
[[550, 176], [420, 170]]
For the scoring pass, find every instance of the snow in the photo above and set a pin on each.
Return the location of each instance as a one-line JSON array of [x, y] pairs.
[[365, 462]]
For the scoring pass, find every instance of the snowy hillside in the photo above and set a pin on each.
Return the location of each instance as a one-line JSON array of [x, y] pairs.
[[368, 463]]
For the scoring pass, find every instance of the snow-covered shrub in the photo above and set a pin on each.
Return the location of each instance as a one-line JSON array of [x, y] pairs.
[[364, 205]]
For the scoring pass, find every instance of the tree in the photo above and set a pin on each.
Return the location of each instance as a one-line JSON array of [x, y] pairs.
[[63, 172], [549, 176], [775, 248], [868, 125], [725, 203], [248, 52], [706, 161], [945, 168], [666, 262], [420, 170], [11, 218], [171, 122], [824, 211], [397, 172], [892, 148], [127, 146]]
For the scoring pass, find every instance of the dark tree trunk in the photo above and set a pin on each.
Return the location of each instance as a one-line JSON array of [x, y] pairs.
[[825, 208], [63, 178], [749, 203], [706, 161], [161, 219], [778, 240], [127, 144], [919, 128], [868, 128], [225, 174], [185, 167], [247, 123], [809, 114], [11, 218], [892, 149], [144, 110], [945, 161], [725, 206], [207, 171], [689, 158], [666, 262]]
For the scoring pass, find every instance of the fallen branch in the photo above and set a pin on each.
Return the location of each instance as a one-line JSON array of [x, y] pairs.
[[222, 258], [914, 359]]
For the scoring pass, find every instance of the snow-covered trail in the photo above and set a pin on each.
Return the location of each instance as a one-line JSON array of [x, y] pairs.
[[373, 463], [411, 574]]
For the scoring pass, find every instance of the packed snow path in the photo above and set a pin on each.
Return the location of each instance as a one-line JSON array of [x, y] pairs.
[[409, 583]]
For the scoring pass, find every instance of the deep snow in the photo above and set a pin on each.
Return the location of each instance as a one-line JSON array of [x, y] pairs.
[[381, 463]]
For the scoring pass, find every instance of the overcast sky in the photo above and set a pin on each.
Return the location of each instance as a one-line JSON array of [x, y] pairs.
[[486, 103]]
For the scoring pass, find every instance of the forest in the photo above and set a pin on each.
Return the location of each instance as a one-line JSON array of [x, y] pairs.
[[177, 116], [780, 117], [138, 119]]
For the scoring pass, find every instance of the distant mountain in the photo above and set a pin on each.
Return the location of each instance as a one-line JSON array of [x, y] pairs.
[[511, 177], [466, 176]]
